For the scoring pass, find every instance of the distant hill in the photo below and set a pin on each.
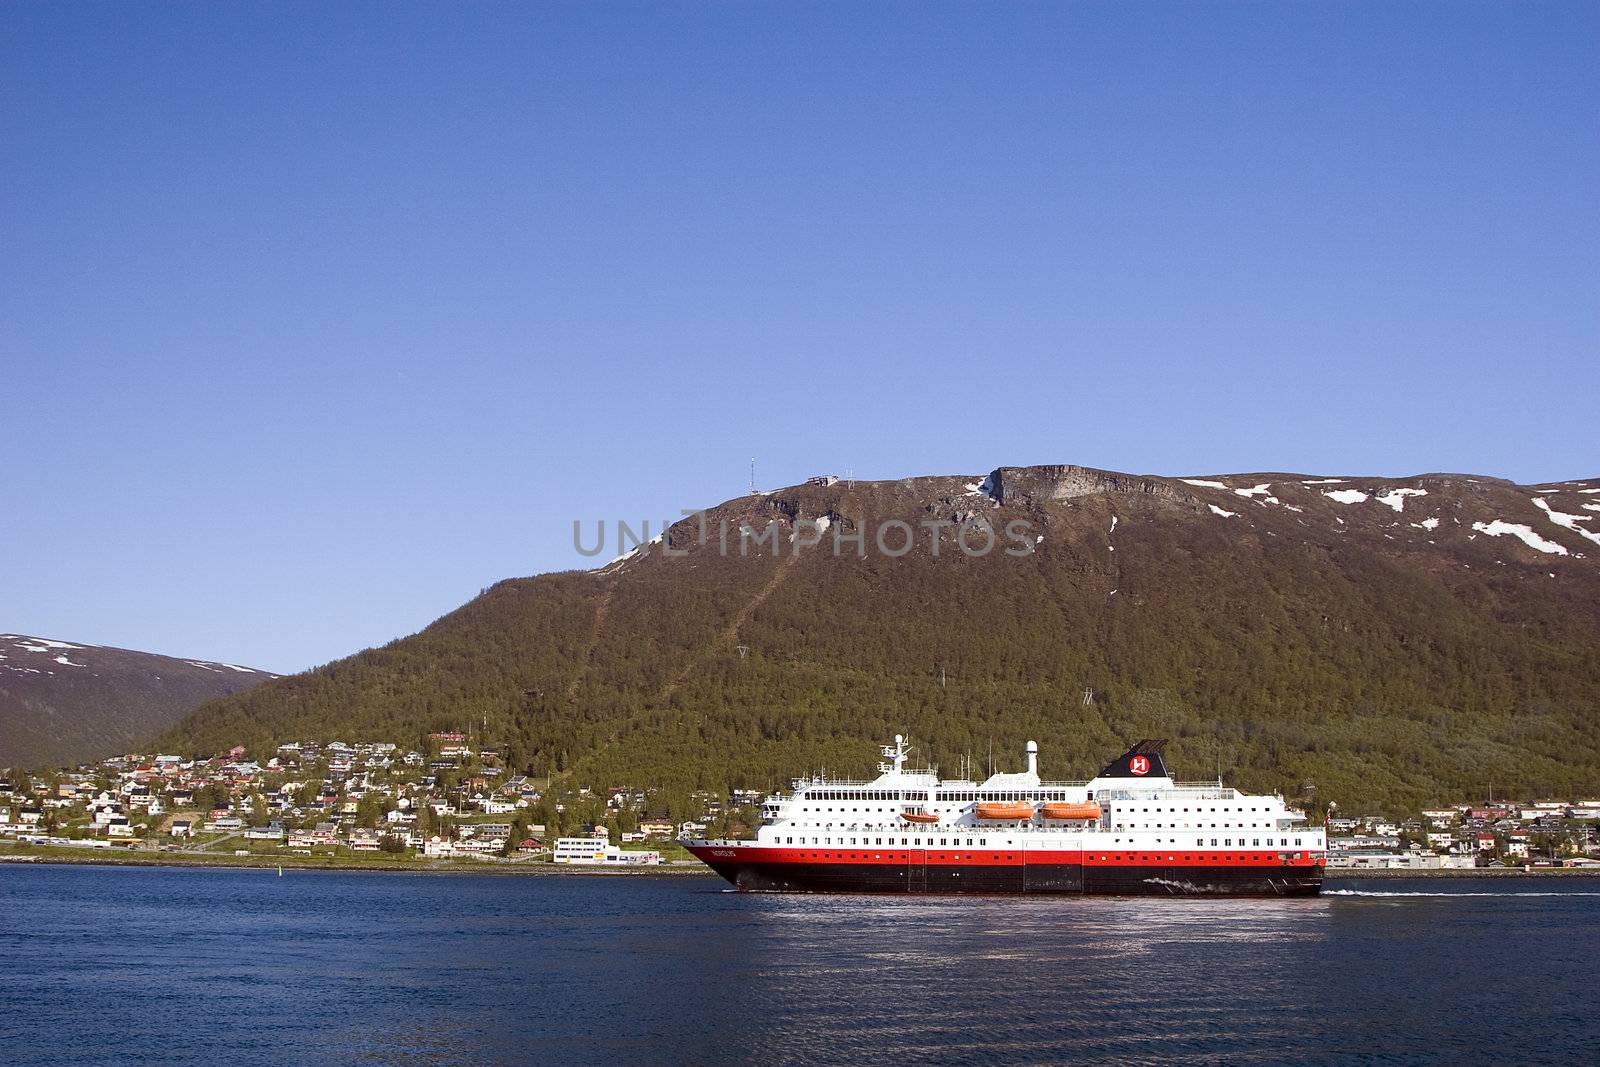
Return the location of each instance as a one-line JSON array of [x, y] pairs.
[[1377, 640], [62, 703]]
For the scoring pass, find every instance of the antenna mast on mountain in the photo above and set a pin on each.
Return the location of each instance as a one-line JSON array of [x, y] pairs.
[[752, 476]]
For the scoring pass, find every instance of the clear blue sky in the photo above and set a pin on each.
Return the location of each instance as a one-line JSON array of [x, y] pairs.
[[316, 319]]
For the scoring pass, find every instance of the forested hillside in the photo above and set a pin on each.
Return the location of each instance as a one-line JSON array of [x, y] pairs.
[[1379, 641]]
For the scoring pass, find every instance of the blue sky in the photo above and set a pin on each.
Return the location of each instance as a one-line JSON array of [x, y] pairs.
[[314, 320]]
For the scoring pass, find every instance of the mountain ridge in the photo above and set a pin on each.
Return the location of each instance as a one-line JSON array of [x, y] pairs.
[[64, 703], [1296, 629]]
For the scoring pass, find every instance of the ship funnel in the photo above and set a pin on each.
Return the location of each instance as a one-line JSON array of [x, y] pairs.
[[1033, 758]]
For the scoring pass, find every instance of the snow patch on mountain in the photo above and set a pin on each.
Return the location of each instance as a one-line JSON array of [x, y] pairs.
[[1570, 522], [1224, 514], [1346, 496], [1427, 524], [636, 550], [984, 489], [1523, 533], [1396, 498], [1202, 483], [19, 640]]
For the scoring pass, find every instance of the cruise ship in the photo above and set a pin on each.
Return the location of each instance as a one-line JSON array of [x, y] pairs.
[[1131, 830]]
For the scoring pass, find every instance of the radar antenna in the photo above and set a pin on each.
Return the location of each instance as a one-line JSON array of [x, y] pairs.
[[896, 753]]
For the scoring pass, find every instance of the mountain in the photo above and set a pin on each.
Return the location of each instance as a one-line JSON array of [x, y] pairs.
[[1371, 640], [62, 704]]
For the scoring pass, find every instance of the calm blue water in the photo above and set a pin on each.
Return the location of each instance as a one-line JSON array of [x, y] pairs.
[[163, 965]]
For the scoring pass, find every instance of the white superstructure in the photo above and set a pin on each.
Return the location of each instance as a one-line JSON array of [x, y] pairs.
[[1140, 806]]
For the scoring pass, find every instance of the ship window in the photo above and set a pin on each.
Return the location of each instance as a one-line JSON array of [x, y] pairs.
[[788, 841], [1213, 842], [1297, 840]]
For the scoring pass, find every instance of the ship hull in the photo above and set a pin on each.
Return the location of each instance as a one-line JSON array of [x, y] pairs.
[[753, 874]]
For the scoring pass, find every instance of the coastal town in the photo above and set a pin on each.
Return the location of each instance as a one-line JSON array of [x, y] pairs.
[[446, 799]]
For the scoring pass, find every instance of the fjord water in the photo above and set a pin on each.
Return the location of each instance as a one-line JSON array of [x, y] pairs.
[[167, 965]]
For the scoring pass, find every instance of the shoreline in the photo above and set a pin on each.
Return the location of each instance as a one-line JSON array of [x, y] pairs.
[[389, 867], [8, 857], [1340, 873]]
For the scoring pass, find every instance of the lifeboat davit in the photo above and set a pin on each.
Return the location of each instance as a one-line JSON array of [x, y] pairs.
[[999, 810], [919, 816], [1090, 810]]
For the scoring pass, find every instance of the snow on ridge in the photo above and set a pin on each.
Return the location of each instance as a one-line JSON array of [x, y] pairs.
[[1224, 514], [203, 666], [1261, 490], [1592, 507], [1202, 483], [1566, 521], [1346, 496], [984, 488], [65, 662], [634, 551], [1323, 481], [1523, 533], [1396, 498], [1427, 524], [242, 670], [44, 644]]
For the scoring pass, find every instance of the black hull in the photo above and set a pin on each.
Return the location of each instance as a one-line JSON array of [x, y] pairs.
[[1284, 881]]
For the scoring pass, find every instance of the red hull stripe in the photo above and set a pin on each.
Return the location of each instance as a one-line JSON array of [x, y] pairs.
[[979, 857]]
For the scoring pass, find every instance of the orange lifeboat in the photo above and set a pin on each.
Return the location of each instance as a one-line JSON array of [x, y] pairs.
[[1090, 810], [999, 810], [919, 816]]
